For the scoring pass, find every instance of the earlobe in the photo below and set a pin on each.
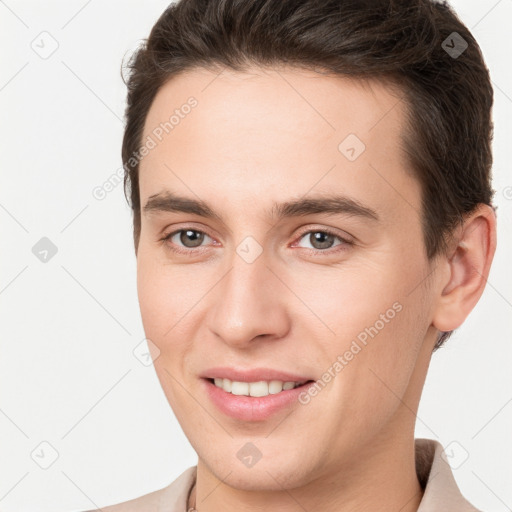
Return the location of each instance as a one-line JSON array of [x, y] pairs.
[[469, 266]]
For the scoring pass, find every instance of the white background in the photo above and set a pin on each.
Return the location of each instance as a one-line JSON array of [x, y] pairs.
[[69, 326]]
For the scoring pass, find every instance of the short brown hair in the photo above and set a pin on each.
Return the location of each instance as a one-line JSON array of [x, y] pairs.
[[404, 42]]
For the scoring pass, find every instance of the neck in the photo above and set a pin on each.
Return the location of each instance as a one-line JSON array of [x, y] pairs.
[[384, 479]]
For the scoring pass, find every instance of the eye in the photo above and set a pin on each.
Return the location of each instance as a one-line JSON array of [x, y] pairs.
[[189, 238], [322, 240]]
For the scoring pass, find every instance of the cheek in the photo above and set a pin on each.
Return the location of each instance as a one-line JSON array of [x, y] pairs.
[[350, 303], [169, 300], [162, 305], [161, 298], [161, 286], [376, 328]]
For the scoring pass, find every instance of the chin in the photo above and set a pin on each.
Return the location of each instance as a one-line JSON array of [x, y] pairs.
[[271, 475]]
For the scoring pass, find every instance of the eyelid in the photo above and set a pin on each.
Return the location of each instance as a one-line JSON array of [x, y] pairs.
[[186, 227], [345, 237]]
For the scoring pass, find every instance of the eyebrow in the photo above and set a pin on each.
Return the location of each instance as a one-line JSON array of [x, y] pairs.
[[329, 204]]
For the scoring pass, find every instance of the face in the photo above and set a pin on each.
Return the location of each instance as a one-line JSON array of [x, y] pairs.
[[307, 264]]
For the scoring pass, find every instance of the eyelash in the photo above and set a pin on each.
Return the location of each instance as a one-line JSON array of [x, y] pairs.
[[315, 252]]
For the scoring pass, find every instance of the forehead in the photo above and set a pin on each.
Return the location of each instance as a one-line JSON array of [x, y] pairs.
[[270, 129], [287, 98]]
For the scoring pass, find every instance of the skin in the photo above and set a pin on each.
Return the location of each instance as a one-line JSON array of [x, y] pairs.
[[270, 135]]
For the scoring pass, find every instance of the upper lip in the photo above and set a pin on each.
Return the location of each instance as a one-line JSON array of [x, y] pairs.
[[252, 374]]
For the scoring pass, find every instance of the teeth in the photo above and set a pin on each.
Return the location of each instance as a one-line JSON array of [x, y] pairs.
[[257, 389]]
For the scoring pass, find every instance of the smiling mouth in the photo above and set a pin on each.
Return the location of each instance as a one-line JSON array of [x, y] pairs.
[[256, 389]]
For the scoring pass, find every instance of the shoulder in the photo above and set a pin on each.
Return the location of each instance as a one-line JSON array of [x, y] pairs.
[[172, 498]]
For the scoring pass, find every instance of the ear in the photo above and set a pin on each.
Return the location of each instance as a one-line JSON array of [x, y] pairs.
[[467, 267]]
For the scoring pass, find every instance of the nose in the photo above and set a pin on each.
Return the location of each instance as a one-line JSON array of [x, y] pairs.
[[249, 304]]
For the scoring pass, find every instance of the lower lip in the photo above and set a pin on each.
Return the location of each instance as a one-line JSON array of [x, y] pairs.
[[249, 408]]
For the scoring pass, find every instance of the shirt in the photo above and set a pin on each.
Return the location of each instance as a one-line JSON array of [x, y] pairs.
[[434, 474]]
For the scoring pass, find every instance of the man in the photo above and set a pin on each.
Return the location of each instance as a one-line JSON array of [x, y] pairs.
[[310, 183]]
